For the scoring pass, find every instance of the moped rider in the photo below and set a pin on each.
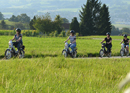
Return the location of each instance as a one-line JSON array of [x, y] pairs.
[[108, 40], [126, 43], [18, 39], [72, 39]]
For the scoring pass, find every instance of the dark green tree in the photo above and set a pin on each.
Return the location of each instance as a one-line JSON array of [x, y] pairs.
[[23, 18], [58, 24], [32, 23], [75, 25], [89, 17], [115, 31], [86, 25], [3, 25], [44, 24], [125, 31], [13, 18], [104, 25], [65, 20], [95, 9], [19, 25]]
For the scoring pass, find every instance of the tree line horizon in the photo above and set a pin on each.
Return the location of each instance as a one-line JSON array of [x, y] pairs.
[[94, 20]]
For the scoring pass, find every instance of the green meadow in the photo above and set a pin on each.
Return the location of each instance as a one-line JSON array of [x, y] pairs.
[[9, 22], [52, 47], [45, 70], [121, 25]]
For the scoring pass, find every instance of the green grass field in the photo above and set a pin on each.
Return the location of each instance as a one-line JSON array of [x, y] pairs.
[[9, 22], [40, 47], [45, 70], [121, 25]]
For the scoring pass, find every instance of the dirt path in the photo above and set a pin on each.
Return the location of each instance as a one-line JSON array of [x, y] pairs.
[[113, 57], [103, 38]]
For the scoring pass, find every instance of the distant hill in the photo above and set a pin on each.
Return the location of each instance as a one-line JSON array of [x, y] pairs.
[[119, 9]]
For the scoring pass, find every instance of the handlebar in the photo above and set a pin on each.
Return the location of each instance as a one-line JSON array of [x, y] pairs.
[[67, 43]]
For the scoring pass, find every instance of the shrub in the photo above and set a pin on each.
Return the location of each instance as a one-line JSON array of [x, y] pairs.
[[77, 34], [24, 32], [51, 34], [63, 33], [68, 33], [56, 34], [60, 35]]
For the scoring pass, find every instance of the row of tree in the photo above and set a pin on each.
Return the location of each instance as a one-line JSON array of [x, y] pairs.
[[20, 18], [95, 20], [5, 26], [24, 18], [44, 24], [117, 31]]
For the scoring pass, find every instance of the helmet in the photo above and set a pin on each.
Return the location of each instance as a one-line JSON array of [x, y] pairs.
[[72, 31], [125, 35], [18, 30], [108, 33]]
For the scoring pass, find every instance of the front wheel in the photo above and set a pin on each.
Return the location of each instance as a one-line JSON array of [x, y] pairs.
[[101, 53], [64, 53], [121, 53], [8, 54]]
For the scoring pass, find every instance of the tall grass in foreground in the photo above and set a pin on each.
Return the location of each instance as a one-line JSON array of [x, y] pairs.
[[60, 75]]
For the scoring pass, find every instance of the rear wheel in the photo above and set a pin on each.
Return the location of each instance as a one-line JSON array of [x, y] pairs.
[[121, 53], [101, 53], [75, 54], [127, 54], [8, 54], [109, 55], [22, 54], [64, 53]]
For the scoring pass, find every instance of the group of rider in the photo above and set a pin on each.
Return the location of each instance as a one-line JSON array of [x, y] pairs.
[[72, 38], [124, 42]]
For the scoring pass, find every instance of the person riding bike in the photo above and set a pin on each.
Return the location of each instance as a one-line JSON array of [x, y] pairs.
[[72, 39], [18, 38], [126, 42], [108, 40]]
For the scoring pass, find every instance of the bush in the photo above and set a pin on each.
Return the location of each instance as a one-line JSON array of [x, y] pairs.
[[33, 33], [68, 33], [77, 34], [63, 33], [56, 34], [24, 32], [51, 34], [60, 35]]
